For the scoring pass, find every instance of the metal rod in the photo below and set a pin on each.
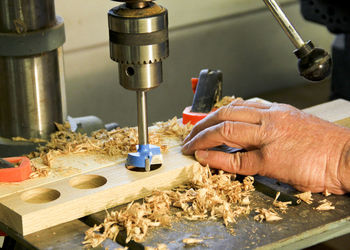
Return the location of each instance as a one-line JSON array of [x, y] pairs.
[[142, 117], [285, 23]]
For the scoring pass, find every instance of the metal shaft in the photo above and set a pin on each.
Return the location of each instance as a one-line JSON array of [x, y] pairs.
[[285, 23], [142, 117]]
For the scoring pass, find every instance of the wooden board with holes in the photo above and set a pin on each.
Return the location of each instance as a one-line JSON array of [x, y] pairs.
[[103, 183], [66, 166]]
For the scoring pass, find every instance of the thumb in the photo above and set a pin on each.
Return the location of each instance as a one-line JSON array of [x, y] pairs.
[[244, 163]]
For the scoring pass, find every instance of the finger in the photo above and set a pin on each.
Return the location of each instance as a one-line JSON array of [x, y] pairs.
[[227, 113], [245, 163], [233, 134], [252, 104]]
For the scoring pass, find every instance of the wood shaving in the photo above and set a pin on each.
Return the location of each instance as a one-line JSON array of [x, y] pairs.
[[207, 196], [226, 100], [172, 128], [118, 142], [34, 140], [192, 241], [159, 247], [326, 193], [283, 206], [266, 214], [305, 197], [325, 205]]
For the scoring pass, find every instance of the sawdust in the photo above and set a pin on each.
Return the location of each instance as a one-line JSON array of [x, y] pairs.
[[207, 196], [118, 142]]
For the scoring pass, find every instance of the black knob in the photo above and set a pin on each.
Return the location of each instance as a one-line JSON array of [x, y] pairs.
[[314, 64]]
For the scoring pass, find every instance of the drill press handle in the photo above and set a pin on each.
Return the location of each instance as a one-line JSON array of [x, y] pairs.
[[314, 64]]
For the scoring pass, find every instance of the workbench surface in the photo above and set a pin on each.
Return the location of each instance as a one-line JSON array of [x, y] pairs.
[[300, 227]]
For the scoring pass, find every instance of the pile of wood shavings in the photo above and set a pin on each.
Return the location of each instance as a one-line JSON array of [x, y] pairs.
[[207, 196], [173, 128], [118, 142]]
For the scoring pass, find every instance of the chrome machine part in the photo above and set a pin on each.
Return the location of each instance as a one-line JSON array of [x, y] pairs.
[[138, 34], [32, 94], [314, 63], [139, 43]]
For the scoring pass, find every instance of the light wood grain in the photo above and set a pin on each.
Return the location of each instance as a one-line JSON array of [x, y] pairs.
[[18, 211], [122, 186]]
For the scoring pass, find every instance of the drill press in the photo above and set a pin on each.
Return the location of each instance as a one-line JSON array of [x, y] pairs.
[[138, 35]]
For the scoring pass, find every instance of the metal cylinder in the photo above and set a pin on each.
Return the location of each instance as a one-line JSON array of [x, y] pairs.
[[139, 43], [142, 117], [140, 76], [32, 94]]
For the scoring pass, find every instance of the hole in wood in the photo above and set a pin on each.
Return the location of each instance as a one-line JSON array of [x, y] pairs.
[[40, 195], [87, 181], [136, 169]]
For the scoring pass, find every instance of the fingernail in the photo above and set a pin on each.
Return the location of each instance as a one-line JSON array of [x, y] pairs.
[[201, 155]]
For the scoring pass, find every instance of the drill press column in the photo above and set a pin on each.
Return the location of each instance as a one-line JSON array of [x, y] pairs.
[[138, 34]]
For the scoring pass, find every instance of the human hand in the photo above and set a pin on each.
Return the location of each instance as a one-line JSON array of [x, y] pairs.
[[282, 142]]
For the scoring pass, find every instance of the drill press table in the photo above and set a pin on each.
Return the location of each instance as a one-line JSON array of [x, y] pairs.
[[301, 226]]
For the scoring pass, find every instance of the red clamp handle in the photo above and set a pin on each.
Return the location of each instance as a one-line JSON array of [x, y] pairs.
[[16, 174]]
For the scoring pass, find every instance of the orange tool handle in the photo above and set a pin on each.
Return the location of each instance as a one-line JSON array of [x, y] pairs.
[[16, 174]]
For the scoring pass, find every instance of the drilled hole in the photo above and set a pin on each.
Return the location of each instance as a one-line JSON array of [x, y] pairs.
[[40, 195], [136, 169], [88, 181]]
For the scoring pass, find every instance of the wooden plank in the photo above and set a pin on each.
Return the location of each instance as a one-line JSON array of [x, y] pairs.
[[63, 166], [53, 201], [69, 165], [331, 111], [61, 201]]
